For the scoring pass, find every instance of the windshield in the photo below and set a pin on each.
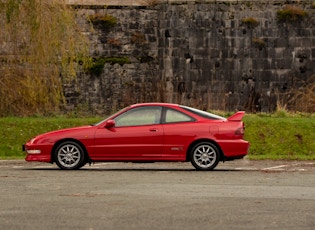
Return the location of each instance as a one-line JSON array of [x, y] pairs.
[[114, 115], [203, 113]]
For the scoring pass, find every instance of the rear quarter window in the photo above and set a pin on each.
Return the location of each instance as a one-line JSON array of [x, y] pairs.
[[172, 116], [204, 114]]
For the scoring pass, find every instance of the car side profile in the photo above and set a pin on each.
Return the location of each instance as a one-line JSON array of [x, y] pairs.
[[146, 132]]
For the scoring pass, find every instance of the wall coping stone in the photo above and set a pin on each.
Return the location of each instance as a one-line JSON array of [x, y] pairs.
[[146, 2]]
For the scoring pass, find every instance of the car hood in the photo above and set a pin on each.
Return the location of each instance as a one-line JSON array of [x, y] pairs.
[[76, 132]]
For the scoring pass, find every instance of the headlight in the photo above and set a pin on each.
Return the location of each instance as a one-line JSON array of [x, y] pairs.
[[33, 151]]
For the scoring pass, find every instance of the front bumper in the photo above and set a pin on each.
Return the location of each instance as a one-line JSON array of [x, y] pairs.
[[39, 153]]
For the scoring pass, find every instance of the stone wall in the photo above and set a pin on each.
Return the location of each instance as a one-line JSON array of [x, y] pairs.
[[218, 55]]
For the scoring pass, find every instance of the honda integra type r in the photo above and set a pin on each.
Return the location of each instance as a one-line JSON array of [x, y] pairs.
[[147, 132]]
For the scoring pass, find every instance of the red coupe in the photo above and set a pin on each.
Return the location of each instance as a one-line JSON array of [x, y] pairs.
[[147, 132]]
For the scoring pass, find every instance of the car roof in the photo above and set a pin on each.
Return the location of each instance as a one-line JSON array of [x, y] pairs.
[[172, 105], [155, 104]]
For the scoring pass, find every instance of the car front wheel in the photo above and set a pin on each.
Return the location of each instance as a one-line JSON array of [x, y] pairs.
[[205, 156], [69, 155]]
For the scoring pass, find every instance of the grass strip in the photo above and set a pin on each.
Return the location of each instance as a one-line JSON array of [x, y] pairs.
[[280, 138], [271, 137], [16, 131]]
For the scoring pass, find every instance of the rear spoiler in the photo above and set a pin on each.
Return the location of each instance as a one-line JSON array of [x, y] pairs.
[[237, 116]]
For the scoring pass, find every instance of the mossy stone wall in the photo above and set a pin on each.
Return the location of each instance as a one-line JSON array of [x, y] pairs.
[[203, 54]]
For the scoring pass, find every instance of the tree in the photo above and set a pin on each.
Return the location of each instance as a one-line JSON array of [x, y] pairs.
[[40, 45]]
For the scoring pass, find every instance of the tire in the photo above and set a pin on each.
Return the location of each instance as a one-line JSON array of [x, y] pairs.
[[69, 155], [205, 156]]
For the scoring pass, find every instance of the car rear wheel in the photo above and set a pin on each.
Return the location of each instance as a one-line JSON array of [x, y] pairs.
[[205, 156], [69, 155]]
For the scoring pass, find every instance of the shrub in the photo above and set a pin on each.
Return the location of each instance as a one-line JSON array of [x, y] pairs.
[[138, 38], [97, 66], [43, 40], [259, 43], [106, 20], [114, 42], [291, 13], [117, 60], [250, 22], [151, 2], [303, 98]]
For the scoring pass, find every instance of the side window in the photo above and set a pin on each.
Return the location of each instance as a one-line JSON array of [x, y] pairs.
[[139, 116], [176, 116]]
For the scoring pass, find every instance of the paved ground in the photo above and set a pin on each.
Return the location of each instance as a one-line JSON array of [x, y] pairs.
[[237, 195]]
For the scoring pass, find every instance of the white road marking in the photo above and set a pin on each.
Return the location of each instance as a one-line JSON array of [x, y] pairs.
[[247, 169], [44, 167], [289, 167], [276, 167], [17, 167]]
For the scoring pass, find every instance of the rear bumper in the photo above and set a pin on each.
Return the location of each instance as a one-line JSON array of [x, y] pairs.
[[234, 149]]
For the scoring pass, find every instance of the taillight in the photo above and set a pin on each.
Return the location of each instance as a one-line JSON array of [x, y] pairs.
[[240, 131]]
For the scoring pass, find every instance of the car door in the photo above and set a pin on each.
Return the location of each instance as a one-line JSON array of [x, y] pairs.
[[178, 133], [136, 136]]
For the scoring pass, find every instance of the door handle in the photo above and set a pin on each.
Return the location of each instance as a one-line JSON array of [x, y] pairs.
[[153, 130]]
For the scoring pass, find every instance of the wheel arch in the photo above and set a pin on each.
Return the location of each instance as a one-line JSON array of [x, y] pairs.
[[86, 155], [222, 156]]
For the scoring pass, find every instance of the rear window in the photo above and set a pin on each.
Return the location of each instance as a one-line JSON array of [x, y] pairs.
[[204, 114]]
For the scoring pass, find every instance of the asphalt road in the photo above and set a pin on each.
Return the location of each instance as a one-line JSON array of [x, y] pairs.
[[237, 195]]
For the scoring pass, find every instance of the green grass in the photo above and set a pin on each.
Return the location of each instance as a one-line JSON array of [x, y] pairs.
[[15, 131], [281, 136], [272, 136]]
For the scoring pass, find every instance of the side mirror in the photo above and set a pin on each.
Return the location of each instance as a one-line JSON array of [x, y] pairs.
[[109, 124]]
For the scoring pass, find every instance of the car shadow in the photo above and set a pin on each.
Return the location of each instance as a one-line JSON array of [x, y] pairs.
[[134, 170], [149, 167]]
